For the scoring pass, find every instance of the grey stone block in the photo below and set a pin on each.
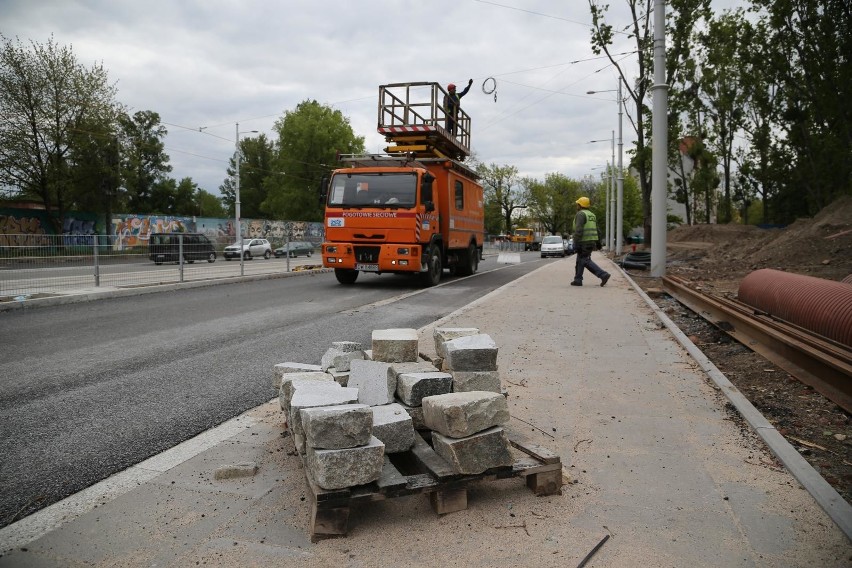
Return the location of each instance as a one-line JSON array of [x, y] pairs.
[[462, 414], [421, 366], [394, 427], [340, 360], [285, 392], [471, 353], [411, 388], [340, 377], [337, 427], [375, 382], [416, 414], [467, 381], [337, 469], [476, 453], [315, 395], [281, 369], [234, 471], [443, 334], [395, 345], [346, 346]]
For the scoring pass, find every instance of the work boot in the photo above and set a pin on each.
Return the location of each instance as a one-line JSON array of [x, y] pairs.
[[576, 283], [605, 279]]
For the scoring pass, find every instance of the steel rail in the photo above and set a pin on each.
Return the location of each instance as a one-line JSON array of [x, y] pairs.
[[816, 361]]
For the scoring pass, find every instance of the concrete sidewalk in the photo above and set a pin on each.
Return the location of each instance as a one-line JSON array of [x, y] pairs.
[[653, 453]]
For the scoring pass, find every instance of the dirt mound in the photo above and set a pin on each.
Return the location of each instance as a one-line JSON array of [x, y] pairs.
[[721, 255]]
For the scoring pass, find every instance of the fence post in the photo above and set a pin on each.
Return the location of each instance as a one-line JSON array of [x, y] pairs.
[[95, 258], [180, 255]]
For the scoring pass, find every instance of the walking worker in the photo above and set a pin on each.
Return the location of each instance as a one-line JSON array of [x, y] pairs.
[[587, 237], [452, 103]]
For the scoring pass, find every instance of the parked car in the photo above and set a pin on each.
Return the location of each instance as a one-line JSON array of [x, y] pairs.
[[568, 245], [551, 245], [294, 249], [251, 248], [166, 247]]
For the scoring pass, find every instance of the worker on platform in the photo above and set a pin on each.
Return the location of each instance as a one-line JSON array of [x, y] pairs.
[[452, 103], [587, 238]]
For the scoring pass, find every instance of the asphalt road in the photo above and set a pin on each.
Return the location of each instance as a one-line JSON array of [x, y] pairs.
[[89, 389]]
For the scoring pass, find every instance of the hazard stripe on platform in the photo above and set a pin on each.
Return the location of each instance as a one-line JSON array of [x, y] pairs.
[[404, 129]]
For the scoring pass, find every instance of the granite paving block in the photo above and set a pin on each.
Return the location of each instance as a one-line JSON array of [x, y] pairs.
[[394, 427], [471, 353], [339, 359], [475, 453], [346, 346], [336, 469], [467, 381], [462, 414], [411, 388], [374, 380], [395, 345], [287, 386], [443, 334], [315, 395], [337, 427], [340, 377], [416, 414], [421, 366], [279, 370]]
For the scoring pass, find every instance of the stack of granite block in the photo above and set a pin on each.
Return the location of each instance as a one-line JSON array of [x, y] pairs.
[[469, 356], [467, 430]]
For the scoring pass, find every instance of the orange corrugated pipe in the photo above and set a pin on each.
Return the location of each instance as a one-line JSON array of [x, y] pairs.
[[821, 306]]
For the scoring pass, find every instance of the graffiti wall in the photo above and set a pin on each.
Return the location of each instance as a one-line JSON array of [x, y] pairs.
[[128, 231]]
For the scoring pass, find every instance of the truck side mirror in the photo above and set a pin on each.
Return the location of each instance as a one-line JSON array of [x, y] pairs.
[[323, 189], [426, 191]]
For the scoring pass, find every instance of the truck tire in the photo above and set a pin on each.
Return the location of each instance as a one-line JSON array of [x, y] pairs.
[[346, 275], [468, 261], [432, 276]]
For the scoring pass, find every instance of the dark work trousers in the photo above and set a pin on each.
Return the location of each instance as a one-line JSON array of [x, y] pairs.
[[584, 260]]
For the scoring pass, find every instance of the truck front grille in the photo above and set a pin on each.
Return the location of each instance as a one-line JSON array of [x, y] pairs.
[[367, 254]]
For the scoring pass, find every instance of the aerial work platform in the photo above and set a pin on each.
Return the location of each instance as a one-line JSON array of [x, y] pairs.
[[414, 119]]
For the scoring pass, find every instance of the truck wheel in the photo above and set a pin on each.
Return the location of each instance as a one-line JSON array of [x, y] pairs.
[[469, 261], [211, 257], [432, 276], [346, 275]]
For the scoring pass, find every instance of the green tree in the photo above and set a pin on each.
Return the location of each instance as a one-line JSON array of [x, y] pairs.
[[208, 205], [503, 191], [144, 161], [46, 96], [309, 139], [551, 203], [256, 163]]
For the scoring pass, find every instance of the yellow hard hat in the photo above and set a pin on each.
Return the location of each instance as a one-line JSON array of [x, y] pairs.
[[583, 202]]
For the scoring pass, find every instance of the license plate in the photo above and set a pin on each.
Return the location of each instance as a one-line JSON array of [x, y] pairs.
[[367, 267]]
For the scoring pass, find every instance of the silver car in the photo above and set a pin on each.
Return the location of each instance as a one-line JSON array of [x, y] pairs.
[[552, 245], [251, 248]]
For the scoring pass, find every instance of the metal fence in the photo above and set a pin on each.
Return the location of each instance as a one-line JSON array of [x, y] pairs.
[[42, 265], [34, 266]]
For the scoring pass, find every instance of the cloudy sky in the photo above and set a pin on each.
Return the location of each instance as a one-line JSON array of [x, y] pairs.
[[206, 65]]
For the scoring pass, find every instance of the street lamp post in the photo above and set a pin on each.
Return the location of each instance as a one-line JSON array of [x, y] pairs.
[[609, 215], [619, 191], [237, 198]]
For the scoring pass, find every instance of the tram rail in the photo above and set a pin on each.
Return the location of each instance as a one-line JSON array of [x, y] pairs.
[[823, 364]]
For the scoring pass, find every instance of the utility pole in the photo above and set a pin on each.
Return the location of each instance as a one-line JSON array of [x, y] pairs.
[[659, 132], [620, 191]]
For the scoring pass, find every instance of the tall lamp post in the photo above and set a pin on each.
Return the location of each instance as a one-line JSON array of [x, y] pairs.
[[619, 206], [237, 198], [610, 195]]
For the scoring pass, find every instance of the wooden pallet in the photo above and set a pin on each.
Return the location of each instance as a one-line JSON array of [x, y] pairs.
[[422, 471]]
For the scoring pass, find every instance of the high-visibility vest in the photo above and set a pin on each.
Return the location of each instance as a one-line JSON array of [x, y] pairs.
[[590, 229]]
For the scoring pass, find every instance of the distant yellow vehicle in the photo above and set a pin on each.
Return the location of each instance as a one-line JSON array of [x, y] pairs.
[[530, 238]]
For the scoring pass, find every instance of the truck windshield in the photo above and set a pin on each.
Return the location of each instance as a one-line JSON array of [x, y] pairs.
[[373, 190]]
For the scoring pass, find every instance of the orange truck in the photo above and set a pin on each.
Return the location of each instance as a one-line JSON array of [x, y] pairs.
[[530, 237], [416, 209]]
